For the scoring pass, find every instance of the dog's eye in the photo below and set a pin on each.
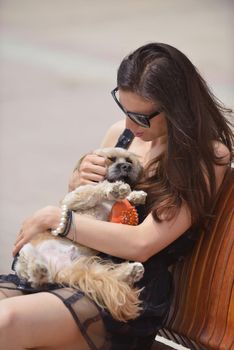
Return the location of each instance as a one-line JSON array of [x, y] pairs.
[[112, 159], [128, 160]]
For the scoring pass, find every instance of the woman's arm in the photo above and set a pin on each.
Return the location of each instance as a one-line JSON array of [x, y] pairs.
[[141, 242], [128, 242], [136, 243]]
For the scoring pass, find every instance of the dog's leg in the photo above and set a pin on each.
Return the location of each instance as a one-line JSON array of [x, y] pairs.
[[116, 190], [31, 266], [98, 280], [88, 196], [129, 272], [39, 273], [84, 197]]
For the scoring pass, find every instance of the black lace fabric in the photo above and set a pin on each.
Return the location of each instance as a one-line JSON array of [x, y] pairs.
[[8, 290], [87, 316], [85, 313]]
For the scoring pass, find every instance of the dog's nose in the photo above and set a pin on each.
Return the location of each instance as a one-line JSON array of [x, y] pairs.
[[125, 167]]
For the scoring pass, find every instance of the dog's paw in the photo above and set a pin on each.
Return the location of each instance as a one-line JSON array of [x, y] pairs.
[[137, 197], [26, 257], [21, 267], [118, 190], [136, 273], [38, 274]]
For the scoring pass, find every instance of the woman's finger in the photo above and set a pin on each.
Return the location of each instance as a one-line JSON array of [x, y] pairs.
[[18, 246], [20, 232], [19, 236], [18, 239], [97, 160], [100, 170], [93, 168], [91, 177], [93, 161]]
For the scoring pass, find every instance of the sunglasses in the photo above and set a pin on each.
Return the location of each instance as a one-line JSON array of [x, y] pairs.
[[138, 118]]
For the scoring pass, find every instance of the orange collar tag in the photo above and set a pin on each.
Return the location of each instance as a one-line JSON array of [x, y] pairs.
[[124, 213]]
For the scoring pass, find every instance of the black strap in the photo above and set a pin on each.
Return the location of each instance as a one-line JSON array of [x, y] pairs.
[[25, 286], [125, 139]]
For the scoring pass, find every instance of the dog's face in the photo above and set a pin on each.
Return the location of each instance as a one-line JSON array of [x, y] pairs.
[[122, 165]]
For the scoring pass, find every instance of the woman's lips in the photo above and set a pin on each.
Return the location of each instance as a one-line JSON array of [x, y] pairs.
[[139, 134]]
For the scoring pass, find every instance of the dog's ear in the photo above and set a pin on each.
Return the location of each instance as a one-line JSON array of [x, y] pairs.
[[105, 152], [109, 161], [108, 153], [141, 173]]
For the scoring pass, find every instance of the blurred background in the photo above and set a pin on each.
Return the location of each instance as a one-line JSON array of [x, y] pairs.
[[58, 63]]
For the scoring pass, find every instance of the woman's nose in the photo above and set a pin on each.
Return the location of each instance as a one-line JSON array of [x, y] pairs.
[[131, 125]]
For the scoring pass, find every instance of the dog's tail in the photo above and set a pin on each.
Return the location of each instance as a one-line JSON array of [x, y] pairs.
[[102, 282]]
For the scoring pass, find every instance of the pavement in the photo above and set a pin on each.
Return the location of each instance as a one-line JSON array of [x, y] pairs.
[[58, 63]]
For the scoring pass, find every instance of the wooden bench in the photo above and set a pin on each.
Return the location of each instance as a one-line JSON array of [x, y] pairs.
[[202, 310]]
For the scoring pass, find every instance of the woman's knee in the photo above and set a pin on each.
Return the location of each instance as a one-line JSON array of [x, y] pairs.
[[8, 316], [8, 326], [6, 320]]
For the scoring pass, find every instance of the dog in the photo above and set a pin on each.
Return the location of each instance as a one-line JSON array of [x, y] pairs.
[[54, 259]]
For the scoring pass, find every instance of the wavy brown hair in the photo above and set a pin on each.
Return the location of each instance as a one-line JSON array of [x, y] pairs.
[[195, 119]]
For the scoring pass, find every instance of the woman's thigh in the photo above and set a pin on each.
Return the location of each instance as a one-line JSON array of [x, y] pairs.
[[41, 321]]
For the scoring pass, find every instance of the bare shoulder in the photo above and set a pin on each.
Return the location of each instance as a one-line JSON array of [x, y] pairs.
[[224, 155], [222, 152], [113, 134]]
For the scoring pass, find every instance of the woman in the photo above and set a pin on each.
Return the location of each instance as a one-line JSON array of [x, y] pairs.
[[184, 143]]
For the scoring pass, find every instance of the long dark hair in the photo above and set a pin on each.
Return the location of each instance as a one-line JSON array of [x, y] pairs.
[[195, 119]]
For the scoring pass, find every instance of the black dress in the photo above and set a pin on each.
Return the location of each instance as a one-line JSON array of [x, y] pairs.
[[99, 329]]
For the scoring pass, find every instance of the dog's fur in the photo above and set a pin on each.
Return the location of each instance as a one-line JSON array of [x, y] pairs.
[[50, 259]]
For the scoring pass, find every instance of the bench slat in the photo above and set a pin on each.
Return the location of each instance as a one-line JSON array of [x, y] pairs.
[[202, 310]]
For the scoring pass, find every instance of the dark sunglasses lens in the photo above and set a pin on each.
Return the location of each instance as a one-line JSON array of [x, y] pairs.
[[136, 118], [139, 119]]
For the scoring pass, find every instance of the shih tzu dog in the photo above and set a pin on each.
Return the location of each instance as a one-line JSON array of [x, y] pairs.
[[54, 259]]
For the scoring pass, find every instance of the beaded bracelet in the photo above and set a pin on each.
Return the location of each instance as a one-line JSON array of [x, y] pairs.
[[64, 224]]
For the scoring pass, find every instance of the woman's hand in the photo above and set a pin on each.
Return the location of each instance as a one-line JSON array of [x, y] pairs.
[[92, 169], [43, 220]]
